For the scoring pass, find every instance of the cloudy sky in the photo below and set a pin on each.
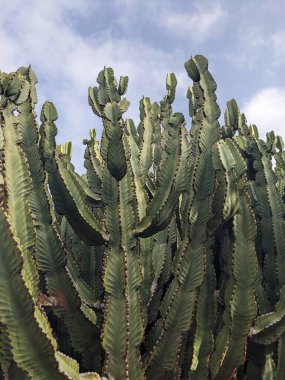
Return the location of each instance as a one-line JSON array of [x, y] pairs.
[[68, 42]]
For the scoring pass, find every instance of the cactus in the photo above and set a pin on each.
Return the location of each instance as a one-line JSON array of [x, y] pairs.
[[165, 260]]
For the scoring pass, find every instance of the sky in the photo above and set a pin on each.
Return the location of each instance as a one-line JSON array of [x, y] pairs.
[[68, 42]]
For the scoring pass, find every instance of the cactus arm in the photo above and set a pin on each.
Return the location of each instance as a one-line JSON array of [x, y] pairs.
[[225, 201], [280, 165], [77, 199], [90, 197], [68, 191], [246, 142], [11, 371], [18, 185], [157, 151], [115, 326], [268, 327], [6, 357], [160, 264], [231, 203], [224, 297], [171, 83], [85, 292], [232, 118], [17, 179], [269, 370], [151, 266], [264, 214], [161, 207], [91, 376], [77, 257], [176, 314], [141, 200], [188, 267], [204, 134], [114, 336], [50, 254], [116, 160], [195, 111], [93, 163], [93, 100], [255, 359], [180, 183], [133, 280], [145, 155], [273, 207], [280, 370], [177, 319], [123, 329], [123, 85], [141, 195], [204, 336], [18, 309], [164, 243], [123, 325], [230, 166], [257, 165], [78, 317], [16, 188], [92, 267], [232, 336], [70, 368], [204, 179], [244, 272], [277, 211], [153, 138], [107, 103], [269, 209], [14, 87]]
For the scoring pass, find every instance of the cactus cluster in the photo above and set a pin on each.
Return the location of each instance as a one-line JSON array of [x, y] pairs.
[[165, 260]]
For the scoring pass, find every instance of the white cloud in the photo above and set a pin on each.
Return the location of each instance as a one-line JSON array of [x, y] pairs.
[[202, 23], [66, 63], [257, 41], [251, 44], [266, 110], [44, 34]]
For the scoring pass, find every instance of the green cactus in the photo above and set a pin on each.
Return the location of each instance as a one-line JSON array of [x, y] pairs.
[[164, 261]]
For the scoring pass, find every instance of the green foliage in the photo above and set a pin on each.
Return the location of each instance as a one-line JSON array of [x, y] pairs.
[[166, 260]]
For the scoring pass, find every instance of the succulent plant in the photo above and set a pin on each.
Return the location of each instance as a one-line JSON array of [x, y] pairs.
[[165, 260]]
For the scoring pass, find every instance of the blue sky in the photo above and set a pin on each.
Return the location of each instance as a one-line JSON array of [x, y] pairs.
[[68, 42]]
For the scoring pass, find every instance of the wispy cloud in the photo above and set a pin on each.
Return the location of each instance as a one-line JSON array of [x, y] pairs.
[[67, 62], [250, 46], [69, 42], [256, 46], [257, 35], [278, 41], [266, 110], [202, 22]]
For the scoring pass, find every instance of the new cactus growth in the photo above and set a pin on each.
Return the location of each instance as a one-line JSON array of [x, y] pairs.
[[166, 260]]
